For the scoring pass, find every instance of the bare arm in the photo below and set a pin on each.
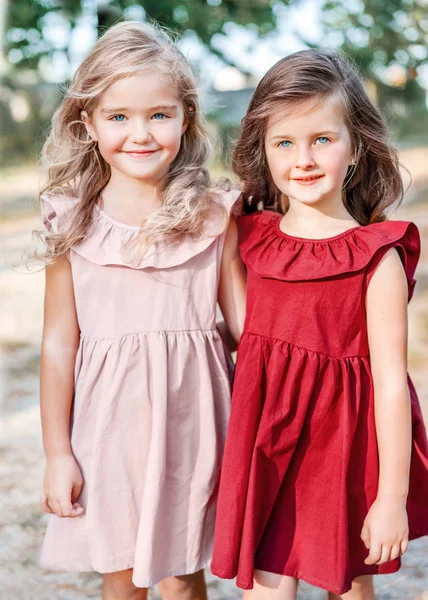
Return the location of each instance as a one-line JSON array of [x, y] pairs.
[[386, 528], [232, 285], [59, 347]]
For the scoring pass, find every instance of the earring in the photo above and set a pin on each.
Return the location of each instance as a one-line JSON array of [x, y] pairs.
[[354, 161]]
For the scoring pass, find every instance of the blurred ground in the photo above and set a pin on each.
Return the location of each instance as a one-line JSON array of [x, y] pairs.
[[21, 457]]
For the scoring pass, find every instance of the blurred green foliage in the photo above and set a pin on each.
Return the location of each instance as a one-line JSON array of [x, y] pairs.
[[388, 40], [381, 33], [25, 19]]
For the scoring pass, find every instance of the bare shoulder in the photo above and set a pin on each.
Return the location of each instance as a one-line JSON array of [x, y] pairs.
[[231, 247], [60, 307], [389, 274]]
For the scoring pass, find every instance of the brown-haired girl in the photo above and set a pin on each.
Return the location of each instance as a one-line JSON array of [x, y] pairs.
[[325, 475], [134, 381]]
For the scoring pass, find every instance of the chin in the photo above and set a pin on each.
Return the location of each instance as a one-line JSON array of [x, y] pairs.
[[309, 201], [306, 199], [140, 173]]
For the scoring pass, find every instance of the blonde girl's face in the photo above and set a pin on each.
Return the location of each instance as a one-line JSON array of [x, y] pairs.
[[138, 124], [309, 151]]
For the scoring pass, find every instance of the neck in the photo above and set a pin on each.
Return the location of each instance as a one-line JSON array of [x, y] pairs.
[[322, 214], [138, 197]]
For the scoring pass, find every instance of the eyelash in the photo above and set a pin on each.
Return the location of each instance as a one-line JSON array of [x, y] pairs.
[[322, 137], [113, 118]]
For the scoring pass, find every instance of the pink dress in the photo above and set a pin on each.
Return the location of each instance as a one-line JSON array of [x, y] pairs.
[[151, 403]]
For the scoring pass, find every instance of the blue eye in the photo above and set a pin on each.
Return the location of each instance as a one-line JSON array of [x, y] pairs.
[[119, 118], [323, 140], [285, 144], [159, 116]]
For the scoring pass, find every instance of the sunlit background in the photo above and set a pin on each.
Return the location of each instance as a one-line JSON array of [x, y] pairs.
[[231, 44]]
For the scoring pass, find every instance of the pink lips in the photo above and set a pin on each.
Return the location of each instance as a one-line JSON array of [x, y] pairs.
[[310, 180], [140, 153]]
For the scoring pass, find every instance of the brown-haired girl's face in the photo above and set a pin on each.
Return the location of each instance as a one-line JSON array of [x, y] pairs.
[[308, 151], [138, 124]]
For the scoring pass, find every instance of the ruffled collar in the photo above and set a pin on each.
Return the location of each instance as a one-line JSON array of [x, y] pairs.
[[270, 252], [107, 237], [102, 215], [104, 245]]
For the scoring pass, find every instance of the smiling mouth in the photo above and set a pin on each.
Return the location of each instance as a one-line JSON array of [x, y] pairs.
[[309, 179], [139, 153]]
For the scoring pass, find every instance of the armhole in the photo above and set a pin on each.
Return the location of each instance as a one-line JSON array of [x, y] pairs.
[[233, 210], [374, 263]]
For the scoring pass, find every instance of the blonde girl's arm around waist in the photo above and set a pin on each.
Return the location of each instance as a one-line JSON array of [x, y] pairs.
[[385, 532], [63, 480], [232, 288]]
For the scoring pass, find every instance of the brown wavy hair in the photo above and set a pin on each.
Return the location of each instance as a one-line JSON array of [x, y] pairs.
[[76, 168], [371, 186]]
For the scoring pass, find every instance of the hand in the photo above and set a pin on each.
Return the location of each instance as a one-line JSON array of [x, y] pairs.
[[62, 485], [385, 531]]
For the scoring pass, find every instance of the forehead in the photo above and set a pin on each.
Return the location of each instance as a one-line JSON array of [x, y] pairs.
[[314, 114], [144, 88]]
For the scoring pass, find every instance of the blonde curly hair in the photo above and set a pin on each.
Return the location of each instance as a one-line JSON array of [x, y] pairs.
[[76, 169]]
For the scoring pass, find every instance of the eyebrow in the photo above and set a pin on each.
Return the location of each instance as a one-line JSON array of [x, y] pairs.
[[319, 134], [150, 109]]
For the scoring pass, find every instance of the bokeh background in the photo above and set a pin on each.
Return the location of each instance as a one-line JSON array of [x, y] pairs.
[[231, 43]]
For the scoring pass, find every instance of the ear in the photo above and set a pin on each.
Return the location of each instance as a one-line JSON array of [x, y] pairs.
[[187, 108], [88, 125], [353, 158]]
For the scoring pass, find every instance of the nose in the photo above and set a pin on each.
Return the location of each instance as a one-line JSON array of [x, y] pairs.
[[140, 132], [305, 158]]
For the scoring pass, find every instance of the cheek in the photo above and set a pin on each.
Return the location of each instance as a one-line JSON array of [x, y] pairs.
[[110, 140], [336, 160], [279, 163], [170, 137]]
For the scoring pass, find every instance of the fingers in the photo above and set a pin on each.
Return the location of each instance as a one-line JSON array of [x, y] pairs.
[[77, 510], [395, 552], [63, 508], [383, 553], [76, 490], [60, 507], [375, 553], [403, 546], [365, 536], [45, 504]]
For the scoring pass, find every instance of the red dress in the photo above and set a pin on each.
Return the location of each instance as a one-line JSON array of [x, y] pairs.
[[301, 465]]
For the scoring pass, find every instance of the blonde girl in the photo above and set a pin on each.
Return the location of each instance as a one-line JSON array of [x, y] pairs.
[[134, 380]]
